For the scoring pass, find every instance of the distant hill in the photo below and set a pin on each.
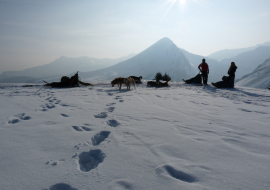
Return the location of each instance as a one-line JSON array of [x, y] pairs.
[[20, 79], [259, 78], [163, 56], [61, 66], [229, 53]]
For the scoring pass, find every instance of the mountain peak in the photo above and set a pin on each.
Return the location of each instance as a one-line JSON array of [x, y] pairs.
[[165, 40]]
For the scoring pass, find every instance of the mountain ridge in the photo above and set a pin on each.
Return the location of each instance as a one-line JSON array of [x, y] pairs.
[[259, 78], [229, 53], [162, 56]]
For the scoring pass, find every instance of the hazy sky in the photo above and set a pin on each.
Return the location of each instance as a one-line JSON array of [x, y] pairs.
[[36, 32]]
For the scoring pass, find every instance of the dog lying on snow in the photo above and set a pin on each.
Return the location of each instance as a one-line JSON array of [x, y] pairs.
[[158, 83], [126, 81]]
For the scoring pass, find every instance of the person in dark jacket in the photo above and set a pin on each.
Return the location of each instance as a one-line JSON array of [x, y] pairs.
[[203, 67], [231, 71], [227, 82]]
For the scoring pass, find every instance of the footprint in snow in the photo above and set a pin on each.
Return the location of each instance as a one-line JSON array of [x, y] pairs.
[[57, 102], [86, 128], [110, 109], [170, 171], [17, 118], [101, 115], [244, 110], [22, 116], [80, 145], [54, 163], [90, 160], [13, 121], [113, 123], [82, 128], [260, 112], [61, 186], [45, 107], [118, 97], [110, 104], [64, 115], [98, 138], [123, 184]]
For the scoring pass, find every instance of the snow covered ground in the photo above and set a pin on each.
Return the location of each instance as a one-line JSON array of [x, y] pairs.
[[181, 137]]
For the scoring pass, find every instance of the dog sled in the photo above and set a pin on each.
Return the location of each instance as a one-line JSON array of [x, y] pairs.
[[227, 82], [195, 80], [67, 82]]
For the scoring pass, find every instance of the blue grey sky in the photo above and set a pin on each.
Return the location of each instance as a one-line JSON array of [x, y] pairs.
[[36, 32]]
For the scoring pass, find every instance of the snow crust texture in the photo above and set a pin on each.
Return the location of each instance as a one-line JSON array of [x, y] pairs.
[[178, 137]]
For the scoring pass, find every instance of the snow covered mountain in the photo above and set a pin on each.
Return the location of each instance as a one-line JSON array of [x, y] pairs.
[[163, 56], [59, 67], [228, 53], [259, 78]]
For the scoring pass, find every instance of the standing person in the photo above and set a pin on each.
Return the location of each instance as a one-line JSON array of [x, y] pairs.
[[203, 67], [231, 71]]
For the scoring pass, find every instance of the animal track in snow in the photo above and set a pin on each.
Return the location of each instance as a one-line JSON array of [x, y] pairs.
[[98, 138], [13, 121], [54, 163], [47, 106], [64, 105], [22, 116], [118, 97], [260, 112], [101, 115], [110, 104], [57, 102], [90, 160], [111, 109], [64, 115], [170, 171], [113, 123], [16, 118], [82, 128], [76, 128], [61, 186], [86, 128], [78, 146], [244, 110], [123, 184]]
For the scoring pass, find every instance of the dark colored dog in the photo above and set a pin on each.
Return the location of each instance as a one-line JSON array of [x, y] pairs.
[[137, 80], [158, 83]]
